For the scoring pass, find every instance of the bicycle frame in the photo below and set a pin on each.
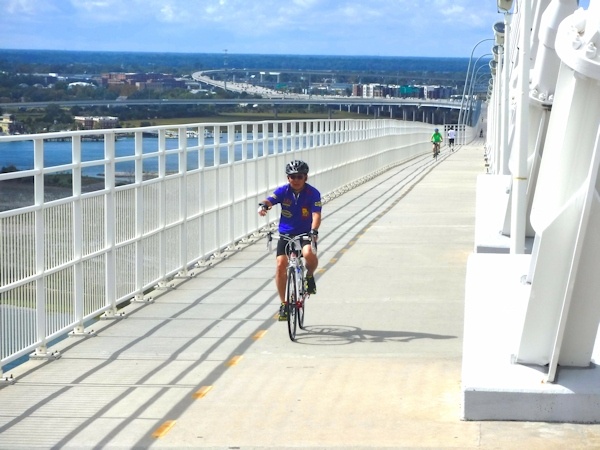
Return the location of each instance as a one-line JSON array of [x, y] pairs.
[[296, 275], [436, 149]]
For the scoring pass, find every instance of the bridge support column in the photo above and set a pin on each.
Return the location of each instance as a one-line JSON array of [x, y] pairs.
[[564, 307], [531, 321]]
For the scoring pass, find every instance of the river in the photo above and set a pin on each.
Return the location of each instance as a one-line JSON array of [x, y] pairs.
[[56, 153]]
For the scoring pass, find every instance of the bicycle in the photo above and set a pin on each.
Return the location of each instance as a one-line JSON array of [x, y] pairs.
[[436, 150], [296, 292]]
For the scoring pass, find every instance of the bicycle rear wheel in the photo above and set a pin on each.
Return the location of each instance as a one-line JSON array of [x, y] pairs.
[[290, 297]]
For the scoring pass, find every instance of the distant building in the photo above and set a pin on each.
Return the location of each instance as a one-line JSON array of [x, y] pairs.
[[96, 122], [153, 81], [10, 125], [375, 90], [438, 92], [408, 91], [372, 90]]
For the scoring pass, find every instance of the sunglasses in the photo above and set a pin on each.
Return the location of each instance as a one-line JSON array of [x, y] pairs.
[[296, 177]]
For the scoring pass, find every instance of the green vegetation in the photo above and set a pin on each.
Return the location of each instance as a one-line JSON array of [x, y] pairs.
[[46, 76]]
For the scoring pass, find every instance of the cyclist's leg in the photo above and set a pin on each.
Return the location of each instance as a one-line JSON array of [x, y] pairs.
[[280, 276], [310, 259], [280, 270], [311, 263]]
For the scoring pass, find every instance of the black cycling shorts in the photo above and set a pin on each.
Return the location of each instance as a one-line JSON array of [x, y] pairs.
[[282, 244]]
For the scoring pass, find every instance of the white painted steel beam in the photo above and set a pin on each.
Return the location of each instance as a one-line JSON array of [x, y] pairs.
[[563, 311]]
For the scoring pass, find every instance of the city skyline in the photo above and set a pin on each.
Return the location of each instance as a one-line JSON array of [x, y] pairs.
[[433, 28]]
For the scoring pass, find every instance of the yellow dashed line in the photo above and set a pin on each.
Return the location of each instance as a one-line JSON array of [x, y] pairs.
[[202, 392], [259, 335], [323, 269], [164, 429], [233, 361]]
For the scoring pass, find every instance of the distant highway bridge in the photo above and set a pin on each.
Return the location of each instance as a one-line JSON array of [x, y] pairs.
[[416, 109], [291, 99]]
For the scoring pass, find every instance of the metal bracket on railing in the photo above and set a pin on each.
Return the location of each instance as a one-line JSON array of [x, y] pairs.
[[183, 274], [41, 353], [7, 380], [113, 315], [79, 331], [163, 285], [141, 299]]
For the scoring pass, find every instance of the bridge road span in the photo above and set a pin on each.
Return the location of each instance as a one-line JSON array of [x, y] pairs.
[[207, 364]]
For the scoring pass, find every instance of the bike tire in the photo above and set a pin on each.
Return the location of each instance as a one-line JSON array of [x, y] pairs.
[[292, 309]]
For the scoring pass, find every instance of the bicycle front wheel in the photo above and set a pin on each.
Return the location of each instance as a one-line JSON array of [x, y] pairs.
[[291, 304]]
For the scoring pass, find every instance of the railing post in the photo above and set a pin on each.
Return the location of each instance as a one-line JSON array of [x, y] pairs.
[[110, 220], [40, 246], [77, 237], [183, 232], [139, 214]]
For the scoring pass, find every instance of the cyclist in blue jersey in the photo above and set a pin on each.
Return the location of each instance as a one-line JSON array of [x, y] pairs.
[[300, 213]]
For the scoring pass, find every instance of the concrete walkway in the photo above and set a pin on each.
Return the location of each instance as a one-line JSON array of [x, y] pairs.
[[207, 365]]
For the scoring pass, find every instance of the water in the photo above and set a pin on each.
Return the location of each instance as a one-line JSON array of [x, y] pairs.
[[94, 62], [57, 153]]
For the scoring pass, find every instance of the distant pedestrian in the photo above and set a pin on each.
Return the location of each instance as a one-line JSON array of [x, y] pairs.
[[451, 137]]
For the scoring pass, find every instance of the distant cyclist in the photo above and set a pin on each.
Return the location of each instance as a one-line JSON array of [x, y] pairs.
[[300, 213], [451, 137], [436, 139]]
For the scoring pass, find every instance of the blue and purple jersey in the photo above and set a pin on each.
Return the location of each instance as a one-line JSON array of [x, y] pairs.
[[296, 208]]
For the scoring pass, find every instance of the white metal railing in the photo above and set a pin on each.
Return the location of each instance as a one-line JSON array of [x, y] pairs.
[[95, 218]]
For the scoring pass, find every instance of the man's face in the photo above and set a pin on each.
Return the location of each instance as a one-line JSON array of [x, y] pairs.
[[297, 180]]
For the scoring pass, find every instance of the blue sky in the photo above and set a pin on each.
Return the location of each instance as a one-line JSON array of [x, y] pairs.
[[309, 27]]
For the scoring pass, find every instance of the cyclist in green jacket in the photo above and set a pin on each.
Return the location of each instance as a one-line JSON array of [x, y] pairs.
[[436, 139]]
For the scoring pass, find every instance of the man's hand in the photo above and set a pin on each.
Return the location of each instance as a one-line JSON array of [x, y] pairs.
[[262, 209]]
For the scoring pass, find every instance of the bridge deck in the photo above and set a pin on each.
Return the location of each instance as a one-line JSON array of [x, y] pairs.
[[207, 364]]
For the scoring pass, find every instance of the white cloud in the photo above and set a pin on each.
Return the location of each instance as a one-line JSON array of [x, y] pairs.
[[92, 5], [29, 7], [294, 26]]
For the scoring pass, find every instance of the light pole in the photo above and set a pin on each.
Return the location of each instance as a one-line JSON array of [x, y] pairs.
[[467, 115], [462, 100]]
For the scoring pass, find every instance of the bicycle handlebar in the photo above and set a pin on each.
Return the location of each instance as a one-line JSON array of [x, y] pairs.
[[295, 238]]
